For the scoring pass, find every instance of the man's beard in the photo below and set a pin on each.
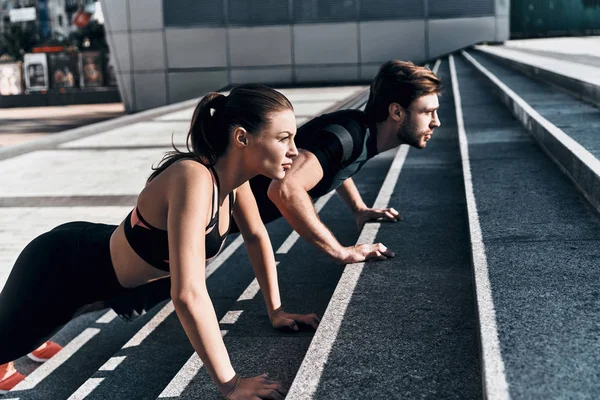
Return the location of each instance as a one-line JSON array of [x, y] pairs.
[[410, 135]]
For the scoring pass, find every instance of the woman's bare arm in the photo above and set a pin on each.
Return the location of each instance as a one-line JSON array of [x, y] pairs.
[[258, 245], [189, 207]]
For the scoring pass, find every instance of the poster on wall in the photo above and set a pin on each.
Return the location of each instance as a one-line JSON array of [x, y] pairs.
[[63, 70], [91, 69], [36, 72], [10, 79]]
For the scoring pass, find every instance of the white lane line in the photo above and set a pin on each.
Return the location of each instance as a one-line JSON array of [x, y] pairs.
[[250, 291], [293, 237], [107, 318], [85, 389], [147, 329], [231, 317], [185, 375], [495, 384], [436, 66], [112, 363], [314, 362], [52, 364]]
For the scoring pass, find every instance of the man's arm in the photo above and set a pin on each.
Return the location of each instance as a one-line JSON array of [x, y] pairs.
[[349, 193], [290, 195]]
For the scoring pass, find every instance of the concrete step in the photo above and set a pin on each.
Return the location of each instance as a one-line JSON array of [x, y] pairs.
[[581, 79], [564, 127], [535, 247]]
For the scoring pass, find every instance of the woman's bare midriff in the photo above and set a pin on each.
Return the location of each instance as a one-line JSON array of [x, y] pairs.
[[130, 269]]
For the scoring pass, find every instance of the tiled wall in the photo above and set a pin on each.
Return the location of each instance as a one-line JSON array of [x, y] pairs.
[[158, 65]]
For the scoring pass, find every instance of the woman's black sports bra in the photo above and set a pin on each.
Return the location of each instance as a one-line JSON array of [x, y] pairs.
[[152, 244]]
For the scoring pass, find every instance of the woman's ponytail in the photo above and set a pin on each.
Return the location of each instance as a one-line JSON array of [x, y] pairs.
[[247, 106]]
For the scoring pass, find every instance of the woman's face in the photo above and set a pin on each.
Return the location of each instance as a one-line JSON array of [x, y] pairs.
[[274, 149]]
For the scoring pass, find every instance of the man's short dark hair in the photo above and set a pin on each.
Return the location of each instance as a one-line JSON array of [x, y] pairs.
[[399, 82]]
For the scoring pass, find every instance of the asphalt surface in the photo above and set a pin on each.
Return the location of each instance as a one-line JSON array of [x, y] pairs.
[[542, 242]]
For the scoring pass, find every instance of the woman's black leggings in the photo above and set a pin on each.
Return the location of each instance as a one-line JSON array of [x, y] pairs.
[[56, 274]]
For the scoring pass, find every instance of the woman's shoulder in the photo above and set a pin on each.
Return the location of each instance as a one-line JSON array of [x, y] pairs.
[[189, 167], [188, 173]]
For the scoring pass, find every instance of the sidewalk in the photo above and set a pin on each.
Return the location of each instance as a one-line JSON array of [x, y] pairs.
[[97, 178], [19, 125], [582, 50]]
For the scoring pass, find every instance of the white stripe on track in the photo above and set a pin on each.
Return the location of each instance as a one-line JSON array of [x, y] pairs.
[[150, 326], [495, 384], [107, 318], [185, 375], [85, 389], [52, 364], [112, 363]]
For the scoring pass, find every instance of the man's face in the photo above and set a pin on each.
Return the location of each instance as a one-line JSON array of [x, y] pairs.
[[419, 121]]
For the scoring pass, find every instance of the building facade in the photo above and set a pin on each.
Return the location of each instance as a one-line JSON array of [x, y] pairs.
[[167, 51]]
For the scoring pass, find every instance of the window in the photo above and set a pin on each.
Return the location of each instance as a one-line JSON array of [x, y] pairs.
[[308, 11], [258, 12], [193, 12]]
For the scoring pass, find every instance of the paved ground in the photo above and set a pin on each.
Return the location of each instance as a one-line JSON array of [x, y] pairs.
[[586, 45], [581, 50], [19, 125]]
